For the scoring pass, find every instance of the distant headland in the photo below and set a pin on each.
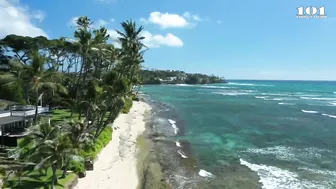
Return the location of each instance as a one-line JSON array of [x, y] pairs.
[[177, 77]]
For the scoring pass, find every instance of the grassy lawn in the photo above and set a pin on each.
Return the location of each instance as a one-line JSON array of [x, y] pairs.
[[60, 115], [37, 180]]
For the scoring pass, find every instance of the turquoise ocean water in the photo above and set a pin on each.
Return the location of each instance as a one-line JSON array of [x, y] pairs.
[[281, 134]]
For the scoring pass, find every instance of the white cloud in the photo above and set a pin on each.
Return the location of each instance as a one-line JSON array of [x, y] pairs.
[[154, 40], [96, 23], [16, 19], [191, 17], [158, 40], [113, 34], [166, 20], [169, 20], [39, 15], [99, 23], [196, 18]]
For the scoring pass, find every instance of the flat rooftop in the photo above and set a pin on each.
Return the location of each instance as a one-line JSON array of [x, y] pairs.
[[10, 119]]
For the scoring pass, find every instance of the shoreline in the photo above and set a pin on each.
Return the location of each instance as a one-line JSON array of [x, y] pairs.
[[116, 165]]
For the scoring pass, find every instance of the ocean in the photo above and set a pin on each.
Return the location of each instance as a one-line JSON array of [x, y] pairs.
[[246, 134]]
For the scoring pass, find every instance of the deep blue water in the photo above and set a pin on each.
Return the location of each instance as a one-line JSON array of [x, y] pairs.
[[284, 131]]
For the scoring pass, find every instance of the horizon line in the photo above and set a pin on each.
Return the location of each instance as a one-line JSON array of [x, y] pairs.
[[277, 80]]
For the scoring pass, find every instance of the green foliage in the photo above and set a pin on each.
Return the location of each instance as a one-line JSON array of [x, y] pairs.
[[128, 105], [77, 166], [104, 138], [38, 180], [177, 77], [12, 93], [61, 115], [134, 97]]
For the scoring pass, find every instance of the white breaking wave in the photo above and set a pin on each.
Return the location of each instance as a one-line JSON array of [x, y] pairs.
[[250, 84], [178, 144], [230, 93], [183, 85], [320, 172], [260, 97], [332, 116], [278, 99], [309, 98], [276, 94], [289, 153], [286, 103], [248, 91], [172, 122], [204, 173], [216, 87], [275, 178], [182, 155], [309, 111], [333, 103]]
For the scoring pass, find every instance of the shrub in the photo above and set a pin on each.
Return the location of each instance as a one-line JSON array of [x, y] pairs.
[[134, 97], [104, 138], [77, 167], [127, 106]]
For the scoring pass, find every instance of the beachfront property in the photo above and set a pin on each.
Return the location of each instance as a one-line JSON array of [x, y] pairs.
[[14, 121]]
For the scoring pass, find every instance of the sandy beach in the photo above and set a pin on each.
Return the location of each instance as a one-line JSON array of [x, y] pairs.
[[115, 167]]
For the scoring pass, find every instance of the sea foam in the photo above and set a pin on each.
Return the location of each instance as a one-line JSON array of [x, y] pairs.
[[178, 144], [285, 103], [215, 87], [181, 154], [285, 153], [250, 84], [185, 85], [323, 99], [332, 116], [333, 103], [204, 173], [172, 122], [275, 178], [260, 97], [231, 93], [309, 111]]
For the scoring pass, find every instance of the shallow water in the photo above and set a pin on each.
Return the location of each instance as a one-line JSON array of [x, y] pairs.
[[232, 135]]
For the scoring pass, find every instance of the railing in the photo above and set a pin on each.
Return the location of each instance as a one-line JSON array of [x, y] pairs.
[[5, 114], [30, 112], [22, 107]]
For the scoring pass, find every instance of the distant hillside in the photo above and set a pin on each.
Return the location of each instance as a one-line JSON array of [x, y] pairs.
[[177, 77]]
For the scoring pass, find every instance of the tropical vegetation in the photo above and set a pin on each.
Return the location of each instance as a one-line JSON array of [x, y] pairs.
[[86, 80], [177, 77]]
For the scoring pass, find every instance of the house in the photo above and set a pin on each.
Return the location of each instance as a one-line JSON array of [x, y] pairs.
[[14, 122]]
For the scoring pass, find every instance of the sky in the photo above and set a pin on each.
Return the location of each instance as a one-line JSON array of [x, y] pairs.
[[236, 39]]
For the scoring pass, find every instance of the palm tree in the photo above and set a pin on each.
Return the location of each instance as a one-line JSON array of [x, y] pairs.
[[48, 147], [84, 41], [15, 76], [52, 153], [132, 49], [80, 137], [36, 136], [41, 79]]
